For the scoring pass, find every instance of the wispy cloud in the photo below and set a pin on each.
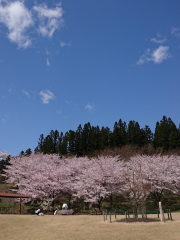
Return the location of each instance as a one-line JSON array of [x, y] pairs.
[[175, 31], [63, 44], [26, 93], [46, 96], [47, 52], [59, 112], [157, 56], [3, 120], [50, 19], [159, 39], [47, 62], [68, 102], [17, 18], [89, 107]]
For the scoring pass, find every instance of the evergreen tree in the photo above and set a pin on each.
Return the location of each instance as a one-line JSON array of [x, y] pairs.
[[28, 152], [146, 136], [166, 134], [94, 139], [48, 145], [59, 144], [105, 137], [85, 138], [55, 136], [41, 143], [64, 145], [134, 133], [78, 141], [71, 142], [21, 153], [119, 134]]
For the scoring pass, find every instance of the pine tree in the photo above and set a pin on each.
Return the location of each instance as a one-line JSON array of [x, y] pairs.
[[78, 141], [134, 133], [85, 138], [166, 134], [41, 143], [106, 139], [28, 152], [48, 145], [71, 142]]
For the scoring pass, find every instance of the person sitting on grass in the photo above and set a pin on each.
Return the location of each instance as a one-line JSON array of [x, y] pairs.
[[38, 212], [55, 213]]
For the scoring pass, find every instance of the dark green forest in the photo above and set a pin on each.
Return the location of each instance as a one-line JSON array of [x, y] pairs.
[[88, 140]]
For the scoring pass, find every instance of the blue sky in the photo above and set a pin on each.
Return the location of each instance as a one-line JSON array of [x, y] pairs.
[[71, 62]]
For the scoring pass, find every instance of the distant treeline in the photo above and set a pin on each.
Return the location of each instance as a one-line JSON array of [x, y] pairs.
[[88, 139]]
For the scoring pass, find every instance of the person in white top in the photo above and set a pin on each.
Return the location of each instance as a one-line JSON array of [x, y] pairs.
[[38, 212], [64, 206]]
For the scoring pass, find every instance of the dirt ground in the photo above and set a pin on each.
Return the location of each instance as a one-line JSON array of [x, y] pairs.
[[79, 227]]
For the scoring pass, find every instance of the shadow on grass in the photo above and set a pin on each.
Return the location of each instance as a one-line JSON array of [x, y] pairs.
[[135, 220]]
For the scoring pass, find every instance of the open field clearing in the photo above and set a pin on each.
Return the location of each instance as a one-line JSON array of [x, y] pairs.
[[31, 227]]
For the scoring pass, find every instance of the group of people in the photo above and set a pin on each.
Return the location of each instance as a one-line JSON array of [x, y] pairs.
[[64, 207], [40, 213]]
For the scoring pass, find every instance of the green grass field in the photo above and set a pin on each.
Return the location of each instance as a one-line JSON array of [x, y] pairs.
[[77, 227]]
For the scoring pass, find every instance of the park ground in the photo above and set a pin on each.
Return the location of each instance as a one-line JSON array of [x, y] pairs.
[[89, 227]]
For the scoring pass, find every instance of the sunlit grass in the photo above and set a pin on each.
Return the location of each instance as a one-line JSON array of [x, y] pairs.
[[77, 227]]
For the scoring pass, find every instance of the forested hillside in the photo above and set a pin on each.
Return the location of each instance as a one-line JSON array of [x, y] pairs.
[[89, 139]]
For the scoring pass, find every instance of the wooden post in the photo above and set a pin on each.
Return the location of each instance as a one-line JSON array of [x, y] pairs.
[[163, 216], [146, 216], [170, 214], [20, 206], [126, 217], [103, 216], [110, 217], [161, 212]]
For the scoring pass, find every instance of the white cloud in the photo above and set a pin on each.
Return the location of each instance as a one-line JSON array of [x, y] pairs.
[[26, 93], [175, 31], [17, 18], [157, 56], [50, 19], [46, 96], [47, 62], [89, 107], [160, 54], [144, 58], [159, 39], [62, 44]]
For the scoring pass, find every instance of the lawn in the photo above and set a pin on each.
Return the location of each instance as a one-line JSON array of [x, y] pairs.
[[77, 227]]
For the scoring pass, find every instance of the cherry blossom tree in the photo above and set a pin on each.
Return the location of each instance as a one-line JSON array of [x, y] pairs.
[[101, 178], [144, 175], [48, 177], [39, 175]]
